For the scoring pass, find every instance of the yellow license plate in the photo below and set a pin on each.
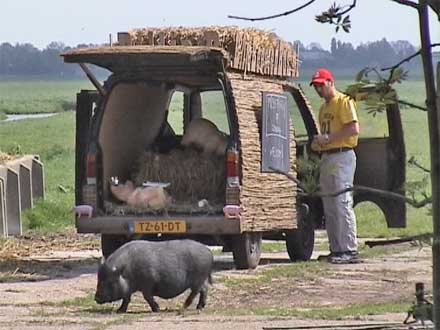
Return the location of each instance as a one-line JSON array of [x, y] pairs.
[[166, 226]]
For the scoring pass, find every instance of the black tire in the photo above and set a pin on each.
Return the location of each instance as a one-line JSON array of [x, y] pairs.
[[300, 241], [110, 243], [246, 249]]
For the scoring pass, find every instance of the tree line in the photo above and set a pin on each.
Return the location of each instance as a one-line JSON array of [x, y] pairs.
[[26, 59], [344, 57]]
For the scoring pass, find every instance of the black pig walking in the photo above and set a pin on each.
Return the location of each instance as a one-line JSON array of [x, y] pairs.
[[164, 269]]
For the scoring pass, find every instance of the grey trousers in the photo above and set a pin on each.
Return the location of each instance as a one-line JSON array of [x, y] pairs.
[[336, 173]]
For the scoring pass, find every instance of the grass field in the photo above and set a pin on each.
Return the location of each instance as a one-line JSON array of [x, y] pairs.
[[53, 139], [33, 96]]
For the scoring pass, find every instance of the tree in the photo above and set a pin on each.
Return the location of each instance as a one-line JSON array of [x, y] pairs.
[[338, 16], [334, 46]]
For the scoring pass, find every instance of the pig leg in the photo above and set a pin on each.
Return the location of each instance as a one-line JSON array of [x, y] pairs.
[[124, 306], [150, 300], [190, 298], [202, 298]]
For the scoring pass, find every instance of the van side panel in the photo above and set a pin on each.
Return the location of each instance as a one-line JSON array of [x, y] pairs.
[[268, 199]]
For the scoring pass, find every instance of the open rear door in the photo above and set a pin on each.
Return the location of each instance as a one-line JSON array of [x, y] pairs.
[[86, 101], [381, 164], [381, 161]]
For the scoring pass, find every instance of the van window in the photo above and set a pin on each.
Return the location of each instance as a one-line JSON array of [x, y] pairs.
[[175, 112], [214, 109]]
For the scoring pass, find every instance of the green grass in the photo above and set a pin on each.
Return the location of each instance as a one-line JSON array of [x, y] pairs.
[[88, 305], [53, 139], [273, 247], [39, 96], [303, 270], [329, 313]]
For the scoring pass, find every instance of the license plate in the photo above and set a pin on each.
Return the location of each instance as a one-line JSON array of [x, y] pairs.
[[168, 226]]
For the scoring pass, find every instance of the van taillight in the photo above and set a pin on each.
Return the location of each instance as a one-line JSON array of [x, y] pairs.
[[91, 168], [232, 167]]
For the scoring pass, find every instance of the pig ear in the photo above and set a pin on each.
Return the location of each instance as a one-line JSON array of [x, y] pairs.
[[117, 271]]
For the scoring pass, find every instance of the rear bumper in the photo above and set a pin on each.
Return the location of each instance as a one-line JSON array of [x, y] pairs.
[[210, 225]]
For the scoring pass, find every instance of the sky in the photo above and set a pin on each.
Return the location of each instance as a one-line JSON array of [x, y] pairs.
[[91, 21]]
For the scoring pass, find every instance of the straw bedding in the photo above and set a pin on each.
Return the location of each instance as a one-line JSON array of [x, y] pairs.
[[192, 175]]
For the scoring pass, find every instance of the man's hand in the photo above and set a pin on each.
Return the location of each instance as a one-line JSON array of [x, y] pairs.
[[321, 139]]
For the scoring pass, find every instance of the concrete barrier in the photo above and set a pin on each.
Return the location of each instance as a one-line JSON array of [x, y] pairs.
[[21, 183], [3, 225]]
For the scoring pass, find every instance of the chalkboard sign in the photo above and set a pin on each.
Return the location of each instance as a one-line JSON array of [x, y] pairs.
[[275, 137]]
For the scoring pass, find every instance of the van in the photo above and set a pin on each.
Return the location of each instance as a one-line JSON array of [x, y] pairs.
[[189, 137]]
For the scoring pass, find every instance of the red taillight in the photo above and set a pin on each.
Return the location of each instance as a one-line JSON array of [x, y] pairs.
[[91, 168], [232, 167]]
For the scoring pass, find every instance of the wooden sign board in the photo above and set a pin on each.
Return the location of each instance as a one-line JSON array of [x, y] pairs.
[[275, 138]]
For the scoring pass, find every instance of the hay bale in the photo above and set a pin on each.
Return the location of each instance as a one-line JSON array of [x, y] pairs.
[[192, 175]]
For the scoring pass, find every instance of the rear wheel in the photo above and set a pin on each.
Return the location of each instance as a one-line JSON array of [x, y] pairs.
[[246, 249], [300, 241], [110, 243]]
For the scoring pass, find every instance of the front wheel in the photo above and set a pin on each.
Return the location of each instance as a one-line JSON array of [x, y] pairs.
[[300, 241], [246, 249]]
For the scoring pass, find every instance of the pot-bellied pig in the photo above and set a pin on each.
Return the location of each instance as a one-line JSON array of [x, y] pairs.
[[163, 269], [203, 134], [155, 198]]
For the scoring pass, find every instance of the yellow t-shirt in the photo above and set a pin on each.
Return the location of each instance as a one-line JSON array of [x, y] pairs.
[[333, 116]]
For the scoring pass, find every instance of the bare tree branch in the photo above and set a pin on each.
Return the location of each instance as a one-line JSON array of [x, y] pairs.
[[414, 162], [387, 194], [273, 16], [353, 5], [349, 8], [290, 177], [415, 106], [407, 59], [407, 3], [421, 237]]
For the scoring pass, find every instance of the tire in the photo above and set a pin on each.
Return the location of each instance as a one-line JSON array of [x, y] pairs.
[[300, 241], [246, 249], [110, 243]]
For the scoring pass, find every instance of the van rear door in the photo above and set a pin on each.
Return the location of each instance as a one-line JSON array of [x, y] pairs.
[[86, 102]]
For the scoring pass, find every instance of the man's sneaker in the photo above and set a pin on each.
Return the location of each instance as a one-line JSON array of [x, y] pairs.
[[327, 257], [350, 257]]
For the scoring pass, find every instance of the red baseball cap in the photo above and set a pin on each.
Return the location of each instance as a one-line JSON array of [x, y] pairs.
[[321, 76]]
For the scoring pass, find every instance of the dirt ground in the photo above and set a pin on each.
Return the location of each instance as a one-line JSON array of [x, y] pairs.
[[49, 284]]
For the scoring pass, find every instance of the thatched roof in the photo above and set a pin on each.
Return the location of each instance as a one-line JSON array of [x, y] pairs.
[[248, 50]]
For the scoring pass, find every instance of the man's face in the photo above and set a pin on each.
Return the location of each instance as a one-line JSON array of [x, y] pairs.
[[323, 89]]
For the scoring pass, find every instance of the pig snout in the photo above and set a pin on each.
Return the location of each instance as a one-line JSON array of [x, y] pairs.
[[111, 285]]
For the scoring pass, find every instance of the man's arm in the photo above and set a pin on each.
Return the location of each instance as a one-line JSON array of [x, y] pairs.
[[348, 130]]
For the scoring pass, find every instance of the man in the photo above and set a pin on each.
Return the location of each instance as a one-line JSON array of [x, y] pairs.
[[339, 135]]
